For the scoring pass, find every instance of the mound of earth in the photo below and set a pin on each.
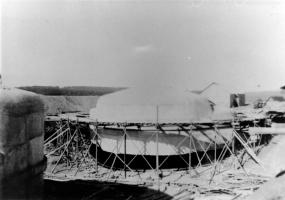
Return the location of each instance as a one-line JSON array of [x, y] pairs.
[[58, 104], [272, 190]]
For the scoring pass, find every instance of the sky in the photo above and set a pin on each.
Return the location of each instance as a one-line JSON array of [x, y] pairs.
[[185, 43]]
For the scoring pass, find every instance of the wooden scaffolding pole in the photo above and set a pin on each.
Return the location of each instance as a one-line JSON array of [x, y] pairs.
[[125, 150], [190, 142], [96, 146], [157, 149]]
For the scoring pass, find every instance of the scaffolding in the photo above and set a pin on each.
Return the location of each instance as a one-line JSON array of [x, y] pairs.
[[71, 141]]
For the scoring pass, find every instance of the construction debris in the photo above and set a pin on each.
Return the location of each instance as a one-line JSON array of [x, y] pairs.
[[67, 148]]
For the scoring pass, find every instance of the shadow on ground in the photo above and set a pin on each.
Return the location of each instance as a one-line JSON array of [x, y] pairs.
[[78, 189]]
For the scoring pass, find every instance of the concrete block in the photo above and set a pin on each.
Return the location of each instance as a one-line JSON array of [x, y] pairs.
[[36, 153], [1, 171], [35, 125], [16, 160], [21, 144], [17, 102], [25, 185], [1, 159], [12, 131], [1, 179]]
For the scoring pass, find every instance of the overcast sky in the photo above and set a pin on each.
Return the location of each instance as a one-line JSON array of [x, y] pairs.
[[128, 43]]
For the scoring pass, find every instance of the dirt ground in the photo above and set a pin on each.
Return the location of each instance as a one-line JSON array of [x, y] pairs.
[[222, 181]]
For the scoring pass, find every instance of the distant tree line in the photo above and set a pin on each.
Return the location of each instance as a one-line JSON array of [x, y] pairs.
[[71, 90]]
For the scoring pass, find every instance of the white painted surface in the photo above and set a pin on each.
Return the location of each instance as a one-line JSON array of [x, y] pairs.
[[163, 105]]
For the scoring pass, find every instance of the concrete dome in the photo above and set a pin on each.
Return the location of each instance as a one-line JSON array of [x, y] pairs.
[[151, 105]]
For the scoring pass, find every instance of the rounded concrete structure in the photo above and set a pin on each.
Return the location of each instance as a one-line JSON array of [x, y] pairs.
[[152, 105], [142, 139], [21, 144]]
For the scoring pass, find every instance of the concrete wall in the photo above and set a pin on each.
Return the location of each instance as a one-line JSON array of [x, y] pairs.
[[21, 144]]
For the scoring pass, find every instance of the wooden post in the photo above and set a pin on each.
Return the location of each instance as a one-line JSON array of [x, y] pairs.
[[190, 142], [67, 139], [157, 160], [77, 148], [233, 144], [96, 145], [254, 125], [125, 151], [215, 148], [157, 150], [63, 151]]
